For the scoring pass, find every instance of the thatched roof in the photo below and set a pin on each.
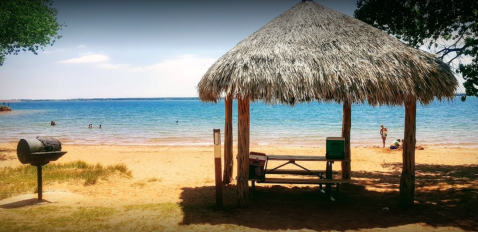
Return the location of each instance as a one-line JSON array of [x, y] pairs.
[[311, 52]]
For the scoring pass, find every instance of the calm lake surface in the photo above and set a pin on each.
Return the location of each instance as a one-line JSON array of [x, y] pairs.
[[191, 122]]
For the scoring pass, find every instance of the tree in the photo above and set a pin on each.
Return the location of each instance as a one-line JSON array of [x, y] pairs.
[[447, 28], [27, 25]]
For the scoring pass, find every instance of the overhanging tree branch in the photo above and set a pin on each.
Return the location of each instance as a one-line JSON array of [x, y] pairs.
[[27, 25], [415, 21]]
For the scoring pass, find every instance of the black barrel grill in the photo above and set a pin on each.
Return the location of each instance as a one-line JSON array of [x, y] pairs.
[[38, 152]]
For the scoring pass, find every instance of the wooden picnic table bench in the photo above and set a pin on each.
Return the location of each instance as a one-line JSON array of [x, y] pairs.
[[298, 172], [317, 175]]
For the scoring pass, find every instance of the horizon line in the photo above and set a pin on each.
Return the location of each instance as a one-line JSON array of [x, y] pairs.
[[117, 98]]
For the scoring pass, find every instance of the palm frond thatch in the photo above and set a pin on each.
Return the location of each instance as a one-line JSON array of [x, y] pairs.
[[311, 52]]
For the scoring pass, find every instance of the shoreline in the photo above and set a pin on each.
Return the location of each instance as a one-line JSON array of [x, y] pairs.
[[180, 143], [101, 152], [190, 123]]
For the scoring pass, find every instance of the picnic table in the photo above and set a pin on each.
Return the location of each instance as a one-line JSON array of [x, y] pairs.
[[320, 177]]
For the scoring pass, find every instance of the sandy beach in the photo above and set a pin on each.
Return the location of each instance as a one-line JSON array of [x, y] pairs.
[[446, 191]]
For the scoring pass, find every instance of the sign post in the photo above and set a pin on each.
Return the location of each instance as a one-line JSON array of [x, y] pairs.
[[217, 166]]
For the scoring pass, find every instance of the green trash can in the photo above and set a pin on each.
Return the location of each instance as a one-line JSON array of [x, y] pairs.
[[335, 148]]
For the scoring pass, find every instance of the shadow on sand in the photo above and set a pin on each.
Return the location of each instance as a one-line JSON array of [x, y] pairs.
[[23, 203], [445, 196]]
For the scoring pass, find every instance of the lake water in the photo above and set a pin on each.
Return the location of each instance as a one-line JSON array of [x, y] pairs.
[[191, 122]]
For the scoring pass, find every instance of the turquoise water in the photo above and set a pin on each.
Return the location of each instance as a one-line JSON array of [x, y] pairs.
[[191, 122]]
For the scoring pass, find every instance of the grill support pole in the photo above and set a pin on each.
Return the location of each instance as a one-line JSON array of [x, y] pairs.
[[40, 182]]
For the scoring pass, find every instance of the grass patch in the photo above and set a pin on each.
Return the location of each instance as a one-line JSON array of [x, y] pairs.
[[21, 179], [139, 184], [154, 179], [89, 214], [143, 217], [142, 184], [167, 209], [55, 218]]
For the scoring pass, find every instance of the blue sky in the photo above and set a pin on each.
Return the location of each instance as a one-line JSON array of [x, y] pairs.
[[143, 48]]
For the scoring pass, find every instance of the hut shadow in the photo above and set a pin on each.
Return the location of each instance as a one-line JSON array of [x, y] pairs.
[[446, 196]]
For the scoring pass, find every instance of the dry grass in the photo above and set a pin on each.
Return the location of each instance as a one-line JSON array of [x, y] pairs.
[[22, 179], [176, 197], [147, 217], [446, 196]]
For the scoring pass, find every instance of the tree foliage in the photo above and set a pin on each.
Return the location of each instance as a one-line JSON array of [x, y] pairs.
[[449, 28], [27, 25]]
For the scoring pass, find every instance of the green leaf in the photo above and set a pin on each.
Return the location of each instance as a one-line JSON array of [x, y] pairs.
[[417, 22], [27, 25]]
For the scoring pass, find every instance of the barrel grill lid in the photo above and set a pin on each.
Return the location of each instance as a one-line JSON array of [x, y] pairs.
[[24, 151], [39, 151]]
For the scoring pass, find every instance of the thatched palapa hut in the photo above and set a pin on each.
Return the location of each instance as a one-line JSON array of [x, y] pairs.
[[312, 53]]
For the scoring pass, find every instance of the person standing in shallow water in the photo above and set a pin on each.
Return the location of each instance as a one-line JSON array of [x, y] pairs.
[[383, 133]]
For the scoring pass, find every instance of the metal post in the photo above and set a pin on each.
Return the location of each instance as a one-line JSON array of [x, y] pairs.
[[40, 183], [217, 166]]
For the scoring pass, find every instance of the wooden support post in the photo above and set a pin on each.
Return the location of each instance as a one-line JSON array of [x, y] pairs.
[[407, 178], [217, 166], [243, 151], [228, 157], [346, 126]]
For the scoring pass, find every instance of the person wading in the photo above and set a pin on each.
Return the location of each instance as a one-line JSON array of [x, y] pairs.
[[383, 133]]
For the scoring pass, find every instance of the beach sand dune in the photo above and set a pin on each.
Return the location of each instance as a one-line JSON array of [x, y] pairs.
[[446, 190]]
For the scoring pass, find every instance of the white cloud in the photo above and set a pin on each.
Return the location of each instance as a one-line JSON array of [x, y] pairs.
[[87, 58], [177, 77], [114, 66], [181, 67], [173, 77], [81, 46]]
